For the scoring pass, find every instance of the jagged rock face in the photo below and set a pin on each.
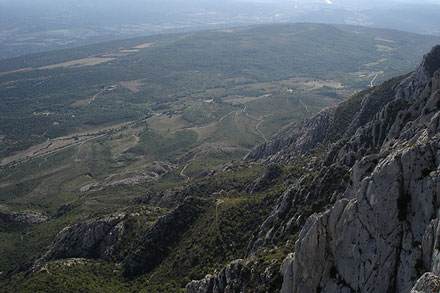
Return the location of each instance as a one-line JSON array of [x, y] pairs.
[[92, 239], [383, 230], [24, 218], [383, 234], [238, 276], [426, 284], [373, 242], [230, 278], [287, 217], [430, 64]]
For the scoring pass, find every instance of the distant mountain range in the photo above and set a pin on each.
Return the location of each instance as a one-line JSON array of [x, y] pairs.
[[44, 25]]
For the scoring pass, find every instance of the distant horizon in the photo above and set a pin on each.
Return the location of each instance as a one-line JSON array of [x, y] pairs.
[[31, 26], [127, 3]]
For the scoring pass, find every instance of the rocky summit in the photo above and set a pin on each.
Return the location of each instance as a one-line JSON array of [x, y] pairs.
[[380, 230]]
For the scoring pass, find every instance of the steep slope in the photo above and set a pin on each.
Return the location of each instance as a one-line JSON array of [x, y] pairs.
[[376, 158], [345, 201], [384, 233]]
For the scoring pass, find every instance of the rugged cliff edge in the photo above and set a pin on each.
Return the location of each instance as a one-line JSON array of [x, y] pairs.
[[377, 183], [385, 233]]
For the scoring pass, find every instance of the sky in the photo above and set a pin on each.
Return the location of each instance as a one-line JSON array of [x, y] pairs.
[[363, 2], [142, 3]]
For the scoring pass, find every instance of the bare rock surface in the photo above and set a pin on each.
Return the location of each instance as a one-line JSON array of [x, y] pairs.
[[379, 231], [24, 218], [91, 239], [385, 234], [428, 283], [158, 240]]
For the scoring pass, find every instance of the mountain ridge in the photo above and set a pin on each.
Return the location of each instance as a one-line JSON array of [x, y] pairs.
[[336, 249]]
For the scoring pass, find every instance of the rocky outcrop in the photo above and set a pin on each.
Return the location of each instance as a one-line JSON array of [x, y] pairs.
[[313, 191], [385, 232], [239, 276], [430, 64], [91, 239], [148, 173], [428, 283], [24, 218], [165, 199], [158, 240], [233, 276], [375, 241]]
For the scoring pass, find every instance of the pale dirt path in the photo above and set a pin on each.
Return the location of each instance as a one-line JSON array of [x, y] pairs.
[[89, 100], [222, 118], [60, 149], [373, 80], [137, 139], [260, 132], [182, 173], [78, 150], [237, 112], [39, 150], [219, 202], [95, 96], [11, 175], [260, 121], [45, 160], [305, 106]]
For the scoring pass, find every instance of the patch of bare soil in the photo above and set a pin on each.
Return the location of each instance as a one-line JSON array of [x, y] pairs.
[[79, 63], [15, 71], [143, 46], [129, 51], [89, 100], [133, 85]]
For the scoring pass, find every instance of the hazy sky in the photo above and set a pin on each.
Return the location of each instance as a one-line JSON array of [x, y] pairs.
[[51, 4], [127, 2]]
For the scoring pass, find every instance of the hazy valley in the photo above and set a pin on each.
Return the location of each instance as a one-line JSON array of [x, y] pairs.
[[147, 163]]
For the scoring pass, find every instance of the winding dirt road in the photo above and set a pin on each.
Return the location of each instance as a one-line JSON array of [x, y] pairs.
[[305, 106], [373, 80]]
